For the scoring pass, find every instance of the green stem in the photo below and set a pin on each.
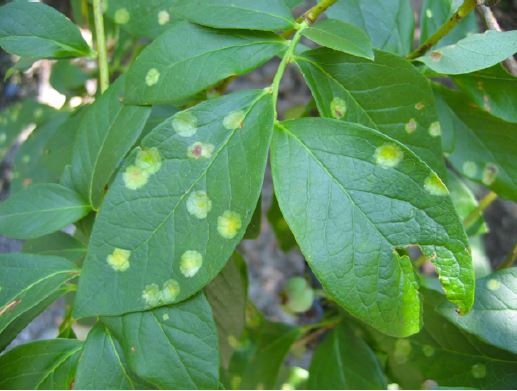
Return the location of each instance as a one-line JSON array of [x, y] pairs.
[[475, 213], [311, 14], [275, 86], [510, 259], [102, 54], [467, 7]]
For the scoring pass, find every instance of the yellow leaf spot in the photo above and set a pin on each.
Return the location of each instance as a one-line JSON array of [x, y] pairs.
[[434, 185], [152, 77], [198, 204], [200, 150], [165, 317], [429, 13], [185, 124], [419, 106], [122, 16], [486, 103], [149, 160], [493, 284], [229, 224], [478, 371], [388, 155], [436, 56], [134, 177], [338, 108], [435, 129], [119, 259], [171, 290], [470, 169], [233, 341], [151, 295], [411, 126], [163, 17], [489, 174], [234, 120], [191, 262]]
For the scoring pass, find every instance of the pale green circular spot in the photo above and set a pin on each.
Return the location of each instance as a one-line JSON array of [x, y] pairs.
[[411, 126], [435, 129], [470, 169], [152, 77], [134, 177], [151, 295], [122, 16], [149, 160], [388, 155], [198, 204], [185, 124], [478, 370], [338, 108], [493, 284], [435, 186], [170, 291], [234, 120], [191, 262], [200, 150], [429, 13], [165, 317], [428, 350], [163, 17], [229, 224], [119, 259], [489, 174]]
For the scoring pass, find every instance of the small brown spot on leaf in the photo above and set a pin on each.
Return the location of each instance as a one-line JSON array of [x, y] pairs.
[[9, 306], [436, 56]]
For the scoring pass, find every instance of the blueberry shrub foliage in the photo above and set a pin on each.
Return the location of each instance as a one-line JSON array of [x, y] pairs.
[[131, 203]]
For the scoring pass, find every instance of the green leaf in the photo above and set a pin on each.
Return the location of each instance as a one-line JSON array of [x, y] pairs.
[[465, 202], [446, 355], [435, 13], [227, 295], [102, 364], [343, 361], [106, 133], [29, 164], [359, 197], [389, 23], [39, 210], [494, 315], [28, 284], [283, 234], [149, 223], [269, 15], [341, 36], [19, 116], [40, 365], [68, 78], [38, 31], [477, 51], [480, 146], [494, 90], [162, 75], [254, 227], [173, 347], [57, 244], [147, 19], [257, 362], [388, 94]]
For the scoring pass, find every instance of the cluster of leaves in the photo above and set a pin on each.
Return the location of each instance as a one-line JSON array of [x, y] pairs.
[[161, 178]]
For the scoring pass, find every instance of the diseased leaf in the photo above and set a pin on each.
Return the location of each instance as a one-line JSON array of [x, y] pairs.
[[19, 116], [107, 131], [352, 197], [476, 52], [494, 90], [446, 355], [389, 23], [57, 244], [147, 19], [36, 30], [153, 231], [343, 361], [435, 13], [173, 347], [102, 365], [341, 36], [28, 284], [29, 166], [480, 146], [257, 361], [39, 210], [227, 295], [269, 15], [494, 315], [162, 75], [387, 94], [40, 365]]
